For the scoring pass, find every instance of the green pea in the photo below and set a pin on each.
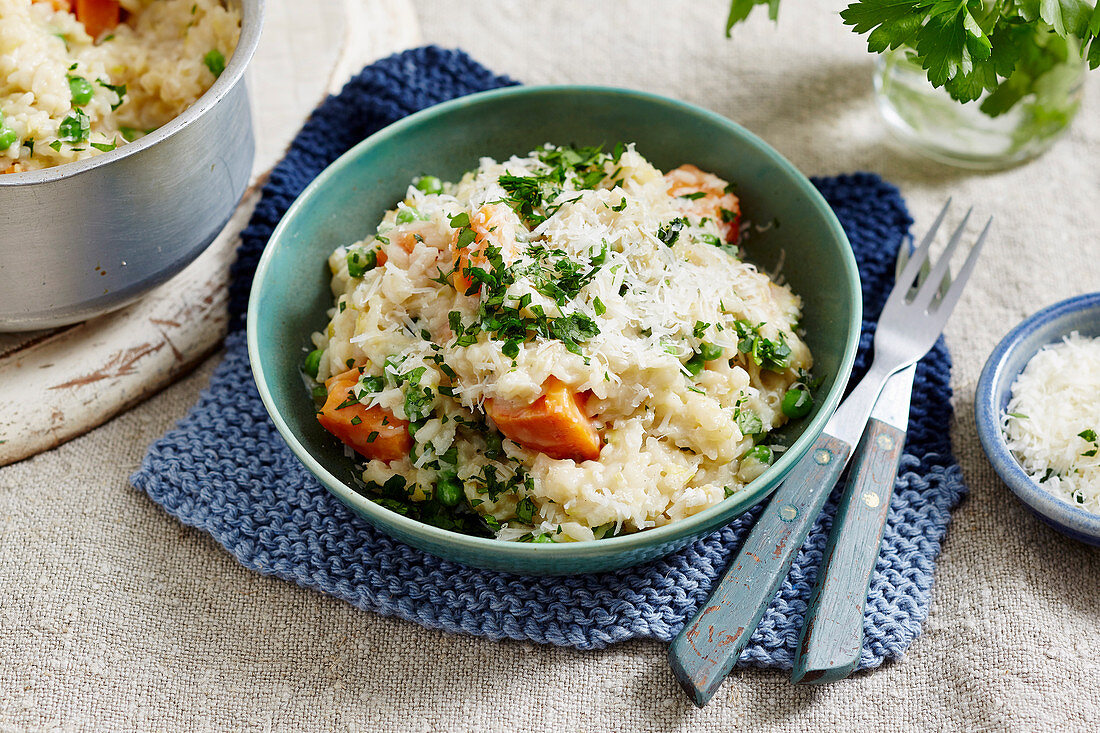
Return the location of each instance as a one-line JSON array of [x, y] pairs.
[[449, 490], [709, 352], [360, 262], [81, 90], [797, 402], [215, 61], [695, 364], [405, 216], [761, 454], [7, 138], [313, 362], [429, 184]]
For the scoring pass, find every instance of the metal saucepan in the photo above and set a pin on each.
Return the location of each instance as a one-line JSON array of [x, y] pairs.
[[87, 237]]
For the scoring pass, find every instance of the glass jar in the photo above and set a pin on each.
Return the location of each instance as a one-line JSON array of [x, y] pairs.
[[934, 124]]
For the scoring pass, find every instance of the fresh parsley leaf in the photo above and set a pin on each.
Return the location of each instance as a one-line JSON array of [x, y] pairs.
[[740, 9], [75, 127], [671, 231]]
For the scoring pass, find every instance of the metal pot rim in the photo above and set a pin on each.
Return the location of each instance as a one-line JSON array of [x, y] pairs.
[[251, 25]]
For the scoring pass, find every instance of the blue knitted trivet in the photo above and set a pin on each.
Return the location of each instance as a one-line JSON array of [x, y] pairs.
[[225, 470]]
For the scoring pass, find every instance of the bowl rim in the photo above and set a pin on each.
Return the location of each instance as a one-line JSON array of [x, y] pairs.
[[987, 417], [752, 493], [252, 16]]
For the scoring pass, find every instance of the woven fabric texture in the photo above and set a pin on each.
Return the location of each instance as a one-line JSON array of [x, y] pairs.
[[225, 470]]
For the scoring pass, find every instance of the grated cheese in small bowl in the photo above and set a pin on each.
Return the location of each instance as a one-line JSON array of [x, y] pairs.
[[1052, 422]]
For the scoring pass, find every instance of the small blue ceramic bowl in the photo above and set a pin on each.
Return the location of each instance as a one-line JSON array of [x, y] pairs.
[[291, 293], [1048, 326]]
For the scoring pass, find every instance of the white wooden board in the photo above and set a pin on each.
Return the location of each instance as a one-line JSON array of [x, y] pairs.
[[58, 384]]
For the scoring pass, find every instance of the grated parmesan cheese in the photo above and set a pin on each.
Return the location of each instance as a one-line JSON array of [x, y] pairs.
[[1052, 424]]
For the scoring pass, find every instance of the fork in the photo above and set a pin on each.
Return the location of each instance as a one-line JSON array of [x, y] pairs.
[[832, 628], [704, 652]]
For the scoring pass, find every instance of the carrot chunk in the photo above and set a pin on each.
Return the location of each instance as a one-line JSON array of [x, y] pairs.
[[716, 203], [489, 225], [554, 424], [373, 432], [97, 15]]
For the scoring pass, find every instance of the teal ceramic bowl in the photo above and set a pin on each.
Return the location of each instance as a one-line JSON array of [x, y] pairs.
[[291, 294]]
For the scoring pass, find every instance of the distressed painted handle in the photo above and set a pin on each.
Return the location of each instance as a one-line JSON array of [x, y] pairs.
[[706, 649], [832, 634]]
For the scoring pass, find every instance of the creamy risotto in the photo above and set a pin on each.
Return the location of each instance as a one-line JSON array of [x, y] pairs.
[[558, 347], [77, 80]]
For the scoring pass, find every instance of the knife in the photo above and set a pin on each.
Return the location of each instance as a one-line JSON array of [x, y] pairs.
[[832, 633]]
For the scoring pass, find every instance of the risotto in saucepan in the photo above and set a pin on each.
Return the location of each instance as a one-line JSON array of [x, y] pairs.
[[558, 347], [83, 77]]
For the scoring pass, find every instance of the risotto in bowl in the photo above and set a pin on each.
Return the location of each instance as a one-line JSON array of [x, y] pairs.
[[552, 357]]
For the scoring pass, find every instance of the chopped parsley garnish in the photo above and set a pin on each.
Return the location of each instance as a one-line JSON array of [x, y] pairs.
[[619, 206], [1089, 435], [104, 147], [700, 329], [772, 355], [373, 384], [530, 195], [525, 510], [118, 89], [556, 275], [748, 421], [506, 318], [671, 231], [418, 400], [75, 127]]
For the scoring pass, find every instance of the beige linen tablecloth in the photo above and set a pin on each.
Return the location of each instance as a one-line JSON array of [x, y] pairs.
[[113, 616]]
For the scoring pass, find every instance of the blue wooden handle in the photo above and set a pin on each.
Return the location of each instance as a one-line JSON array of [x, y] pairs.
[[708, 646], [832, 634]]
